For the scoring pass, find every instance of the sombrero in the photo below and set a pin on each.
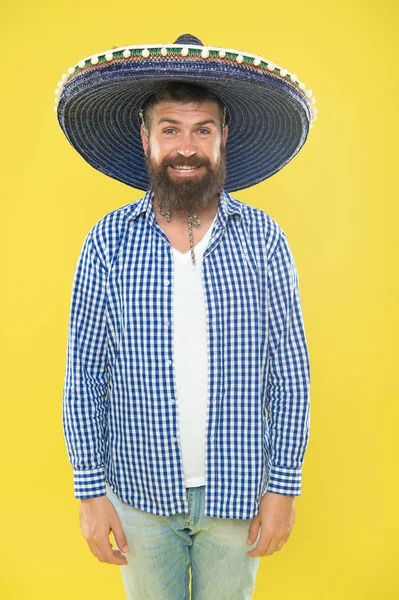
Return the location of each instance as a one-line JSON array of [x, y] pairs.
[[269, 112]]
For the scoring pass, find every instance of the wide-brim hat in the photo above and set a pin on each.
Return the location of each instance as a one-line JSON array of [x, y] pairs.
[[268, 110]]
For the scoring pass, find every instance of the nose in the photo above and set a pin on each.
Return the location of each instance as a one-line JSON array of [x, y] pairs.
[[186, 147], [186, 152]]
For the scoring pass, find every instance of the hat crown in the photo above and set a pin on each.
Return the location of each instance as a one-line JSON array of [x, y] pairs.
[[189, 39]]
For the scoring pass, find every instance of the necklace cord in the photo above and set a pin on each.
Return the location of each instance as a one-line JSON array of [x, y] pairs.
[[192, 220]]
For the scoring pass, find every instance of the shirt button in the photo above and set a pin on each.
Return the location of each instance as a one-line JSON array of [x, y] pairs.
[[212, 438], [167, 282], [174, 439], [172, 400], [169, 362], [168, 323]]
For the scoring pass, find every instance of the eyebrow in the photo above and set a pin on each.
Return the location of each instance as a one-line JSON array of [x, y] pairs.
[[174, 122]]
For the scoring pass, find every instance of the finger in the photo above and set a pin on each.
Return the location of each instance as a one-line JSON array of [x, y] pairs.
[[287, 537], [118, 554], [261, 547], [253, 530], [119, 534], [96, 550], [109, 555], [273, 546], [280, 545], [91, 548]]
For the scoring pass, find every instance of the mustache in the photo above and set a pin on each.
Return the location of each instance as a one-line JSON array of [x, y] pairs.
[[181, 161]]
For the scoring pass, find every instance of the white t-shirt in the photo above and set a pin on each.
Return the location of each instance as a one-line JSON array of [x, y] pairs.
[[191, 359]]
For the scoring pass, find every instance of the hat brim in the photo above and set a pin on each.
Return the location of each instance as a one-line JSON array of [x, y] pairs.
[[269, 118]]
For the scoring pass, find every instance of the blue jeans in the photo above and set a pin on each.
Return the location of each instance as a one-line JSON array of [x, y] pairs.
[[162, 550]]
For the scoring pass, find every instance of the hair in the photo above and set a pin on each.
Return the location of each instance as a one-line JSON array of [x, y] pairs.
[[182, 92]]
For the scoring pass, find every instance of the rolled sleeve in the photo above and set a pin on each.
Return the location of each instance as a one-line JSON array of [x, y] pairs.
[[84, 409], [288, 385]]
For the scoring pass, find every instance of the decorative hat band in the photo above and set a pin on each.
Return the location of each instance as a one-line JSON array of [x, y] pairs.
[[212, 53]]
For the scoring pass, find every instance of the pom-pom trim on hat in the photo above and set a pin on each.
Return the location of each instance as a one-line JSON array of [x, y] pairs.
[[162, 51]]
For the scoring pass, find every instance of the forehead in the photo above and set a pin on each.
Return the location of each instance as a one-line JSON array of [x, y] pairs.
[[185, 112]]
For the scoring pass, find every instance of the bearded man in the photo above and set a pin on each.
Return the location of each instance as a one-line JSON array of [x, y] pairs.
[[186, 405]]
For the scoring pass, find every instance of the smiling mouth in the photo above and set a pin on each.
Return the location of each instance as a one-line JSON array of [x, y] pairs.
[[185, 170]]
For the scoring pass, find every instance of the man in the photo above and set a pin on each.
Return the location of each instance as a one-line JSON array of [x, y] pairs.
[[186, 406]]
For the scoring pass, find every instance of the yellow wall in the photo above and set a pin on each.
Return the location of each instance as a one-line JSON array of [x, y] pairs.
[[338, 203]]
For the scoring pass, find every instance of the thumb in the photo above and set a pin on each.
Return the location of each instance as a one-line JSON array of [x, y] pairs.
[[119, 535], [253, 530]]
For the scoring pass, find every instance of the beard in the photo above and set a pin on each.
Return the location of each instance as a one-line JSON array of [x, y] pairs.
[[186, 194]]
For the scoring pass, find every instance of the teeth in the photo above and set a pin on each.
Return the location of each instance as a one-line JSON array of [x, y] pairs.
[[185, 168]]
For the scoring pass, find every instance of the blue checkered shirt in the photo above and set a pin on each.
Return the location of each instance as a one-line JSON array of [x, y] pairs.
[[120, 406]]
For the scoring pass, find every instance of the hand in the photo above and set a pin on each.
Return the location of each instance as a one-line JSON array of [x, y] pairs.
[[276, 518], [98, 518]]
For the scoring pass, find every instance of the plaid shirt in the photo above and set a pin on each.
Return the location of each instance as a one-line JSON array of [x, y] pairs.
[[120, 407]]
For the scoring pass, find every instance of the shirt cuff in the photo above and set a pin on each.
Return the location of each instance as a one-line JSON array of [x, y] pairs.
[[89, 484], [285, 481]]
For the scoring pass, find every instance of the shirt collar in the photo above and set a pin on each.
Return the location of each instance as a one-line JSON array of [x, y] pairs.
[[228, 206]]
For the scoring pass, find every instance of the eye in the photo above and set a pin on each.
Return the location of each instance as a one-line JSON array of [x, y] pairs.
[[169, 130], [203, 131]]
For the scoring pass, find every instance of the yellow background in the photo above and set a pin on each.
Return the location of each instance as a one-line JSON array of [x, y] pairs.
[[337, 202]]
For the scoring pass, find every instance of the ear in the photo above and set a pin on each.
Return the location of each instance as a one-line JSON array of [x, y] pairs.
[[225, 134], [144, 139]]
